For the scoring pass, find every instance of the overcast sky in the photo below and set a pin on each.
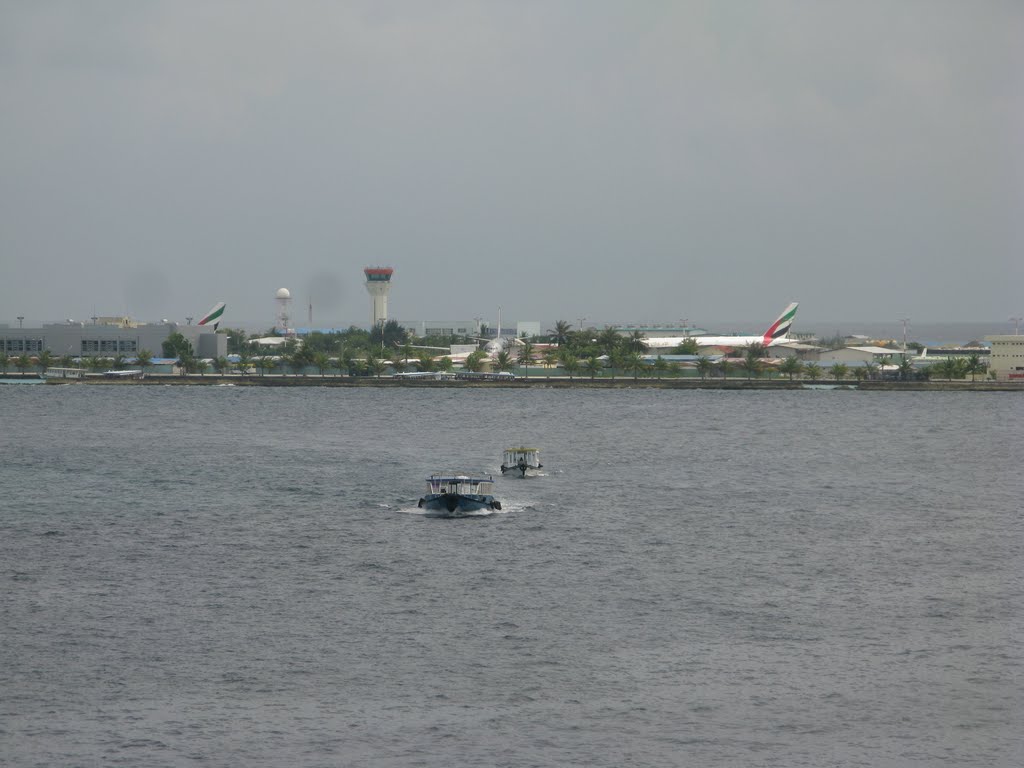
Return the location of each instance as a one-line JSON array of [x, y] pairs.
[[619, 161]]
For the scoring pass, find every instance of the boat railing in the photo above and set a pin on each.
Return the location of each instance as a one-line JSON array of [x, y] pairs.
[[459, 484], [63, 373]]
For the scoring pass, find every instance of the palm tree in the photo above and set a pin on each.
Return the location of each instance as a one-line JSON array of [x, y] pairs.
[[634, 363], [375, 366], [975, 366], [303, 357], [321, 361], [724, 366], [636, 341], [617, 359], [397, 362], [347, 360], [23, 363], [571, 365], [427, 363], [296, 361], [200, 366], [838, 371], [5, 362], [791, 366], [118, 362], [560, 333], [45, 359], [551, 357], [244, 361], [661, 367], [221, 365], [870, 369], [369, 363], [906, 368], [445, 364], [752, 360], [270, 363], [609, 340], [813, 371], [144, 358], [525, 356], [704, 366], [592, 366], [503, 361]]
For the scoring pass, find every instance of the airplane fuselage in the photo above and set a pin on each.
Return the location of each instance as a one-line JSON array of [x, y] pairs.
[[776, 333], [671, 342]]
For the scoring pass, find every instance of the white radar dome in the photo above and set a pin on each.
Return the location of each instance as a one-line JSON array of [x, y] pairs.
[[283, 293]]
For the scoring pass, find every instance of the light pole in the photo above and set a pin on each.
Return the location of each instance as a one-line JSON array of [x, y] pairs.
[[904, 320], [1015, 320], [20, 318], [581, 319]]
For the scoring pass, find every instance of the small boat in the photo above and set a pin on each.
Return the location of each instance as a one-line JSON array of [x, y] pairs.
[[523, 460], [76, 374], [458, 495]]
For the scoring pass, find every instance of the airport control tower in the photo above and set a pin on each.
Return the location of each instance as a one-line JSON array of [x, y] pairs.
[[378, 283]]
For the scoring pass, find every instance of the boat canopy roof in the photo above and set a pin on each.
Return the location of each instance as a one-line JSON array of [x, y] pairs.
[[459, 479], [522, 449]]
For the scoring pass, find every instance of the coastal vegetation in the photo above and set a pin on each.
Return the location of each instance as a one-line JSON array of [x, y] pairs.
[[563, 351]]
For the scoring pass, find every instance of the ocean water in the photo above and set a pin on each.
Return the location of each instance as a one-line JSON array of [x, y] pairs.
[[218, 576]]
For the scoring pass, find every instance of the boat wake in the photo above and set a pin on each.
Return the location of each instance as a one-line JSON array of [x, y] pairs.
[[414, 510]]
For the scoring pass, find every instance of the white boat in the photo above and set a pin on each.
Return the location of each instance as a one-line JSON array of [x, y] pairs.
[[523, 460], [458, 496], [75, 374], [136, 374]]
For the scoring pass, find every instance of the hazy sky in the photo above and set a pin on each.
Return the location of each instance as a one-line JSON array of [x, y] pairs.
[[619, 161]]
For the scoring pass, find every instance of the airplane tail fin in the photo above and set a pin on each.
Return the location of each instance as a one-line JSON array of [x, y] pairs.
[[213, 315], [779, 330]]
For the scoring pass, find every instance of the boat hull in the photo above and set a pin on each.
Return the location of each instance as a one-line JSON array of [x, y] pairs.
[[523, 470], [457, 504]]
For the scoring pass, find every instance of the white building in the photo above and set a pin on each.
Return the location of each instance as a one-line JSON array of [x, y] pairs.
[[859, 355], [1007, 359], [423, 328]]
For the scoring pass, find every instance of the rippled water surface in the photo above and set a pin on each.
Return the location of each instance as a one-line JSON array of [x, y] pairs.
[[230, 576]]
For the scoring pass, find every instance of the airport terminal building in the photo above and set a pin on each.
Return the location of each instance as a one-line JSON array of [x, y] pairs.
[[107, 340]]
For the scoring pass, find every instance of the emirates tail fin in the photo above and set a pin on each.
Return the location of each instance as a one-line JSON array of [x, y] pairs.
[[779, 330]]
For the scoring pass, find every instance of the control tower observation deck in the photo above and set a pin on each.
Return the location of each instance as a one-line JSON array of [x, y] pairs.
[[378, 284]]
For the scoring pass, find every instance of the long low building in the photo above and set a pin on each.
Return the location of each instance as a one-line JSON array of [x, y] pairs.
[[860, 355], [103, 340]]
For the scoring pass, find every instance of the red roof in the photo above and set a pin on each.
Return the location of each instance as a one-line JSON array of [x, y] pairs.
[[378, 271]]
